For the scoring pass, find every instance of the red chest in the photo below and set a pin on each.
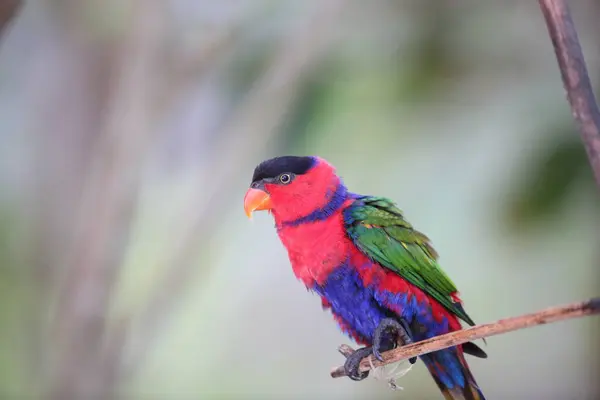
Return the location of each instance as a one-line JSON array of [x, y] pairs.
[[315, 249]]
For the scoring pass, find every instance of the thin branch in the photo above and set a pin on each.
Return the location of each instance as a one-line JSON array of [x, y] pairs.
[[553, 314], [575, 77]]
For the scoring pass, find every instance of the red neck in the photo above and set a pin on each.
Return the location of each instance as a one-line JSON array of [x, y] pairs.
[[315, 249], [309, 192]]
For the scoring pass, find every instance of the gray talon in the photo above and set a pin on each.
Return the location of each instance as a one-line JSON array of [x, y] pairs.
[[383, 342], [353, 362]]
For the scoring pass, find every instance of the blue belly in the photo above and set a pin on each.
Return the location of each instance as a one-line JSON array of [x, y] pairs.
[[352, 301], [358, 307]]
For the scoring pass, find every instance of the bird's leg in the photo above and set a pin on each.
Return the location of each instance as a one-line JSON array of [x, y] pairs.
[[400, 333], [353, 362]]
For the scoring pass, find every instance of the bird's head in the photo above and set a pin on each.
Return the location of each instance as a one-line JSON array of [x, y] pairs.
[[290, 187]]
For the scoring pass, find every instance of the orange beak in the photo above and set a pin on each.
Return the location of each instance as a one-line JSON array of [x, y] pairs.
[[256, 200]]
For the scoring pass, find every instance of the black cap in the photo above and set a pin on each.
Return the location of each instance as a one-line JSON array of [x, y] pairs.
[[275, 166]]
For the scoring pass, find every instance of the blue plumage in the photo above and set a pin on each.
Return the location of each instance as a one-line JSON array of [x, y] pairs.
[[361, 309], [351, 301]]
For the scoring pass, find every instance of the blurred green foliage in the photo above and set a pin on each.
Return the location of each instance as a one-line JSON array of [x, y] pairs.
[[555, 172], [16, 301]]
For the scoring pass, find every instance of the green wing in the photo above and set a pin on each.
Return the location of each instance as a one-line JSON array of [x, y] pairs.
[[379, 230]]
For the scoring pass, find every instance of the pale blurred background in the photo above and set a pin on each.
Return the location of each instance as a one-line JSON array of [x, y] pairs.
[[129, 130]]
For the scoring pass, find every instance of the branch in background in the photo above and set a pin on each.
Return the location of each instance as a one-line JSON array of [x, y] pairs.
[[546, 316], [253, 125], [575, 77], [8, 11], [106, 210]]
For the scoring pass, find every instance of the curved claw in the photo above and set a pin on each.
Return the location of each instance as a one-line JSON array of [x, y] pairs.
[[353, 362], [377, 352], [381, 341]]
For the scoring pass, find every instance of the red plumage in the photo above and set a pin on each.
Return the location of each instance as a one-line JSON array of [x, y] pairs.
[[316, 249], [320, 249]]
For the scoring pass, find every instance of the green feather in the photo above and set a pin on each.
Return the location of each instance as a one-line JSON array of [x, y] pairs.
[[380, 231]]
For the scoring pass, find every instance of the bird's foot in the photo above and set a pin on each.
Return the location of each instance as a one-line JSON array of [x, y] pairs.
[[353, 362], [400, 334]]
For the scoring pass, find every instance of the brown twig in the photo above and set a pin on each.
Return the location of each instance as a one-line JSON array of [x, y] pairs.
[[575, 77], [553, 314]]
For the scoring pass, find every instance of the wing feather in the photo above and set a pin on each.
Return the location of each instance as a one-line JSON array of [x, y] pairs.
[[378, 228]]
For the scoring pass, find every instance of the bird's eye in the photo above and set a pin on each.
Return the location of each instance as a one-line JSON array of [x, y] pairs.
[[285, 178]]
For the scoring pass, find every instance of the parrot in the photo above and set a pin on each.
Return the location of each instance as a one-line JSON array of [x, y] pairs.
[[376, 274]]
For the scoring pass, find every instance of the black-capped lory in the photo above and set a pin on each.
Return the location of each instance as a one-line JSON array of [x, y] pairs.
[[377, 274]]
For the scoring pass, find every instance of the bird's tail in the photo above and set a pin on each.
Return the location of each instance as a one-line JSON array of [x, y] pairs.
[[452, 375]]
